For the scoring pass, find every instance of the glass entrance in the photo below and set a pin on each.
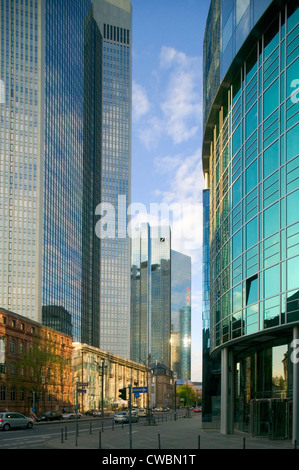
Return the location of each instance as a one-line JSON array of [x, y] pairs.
[[271, 418]]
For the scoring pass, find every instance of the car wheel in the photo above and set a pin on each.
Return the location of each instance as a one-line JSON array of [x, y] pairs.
[[6, 427], [29, 425]]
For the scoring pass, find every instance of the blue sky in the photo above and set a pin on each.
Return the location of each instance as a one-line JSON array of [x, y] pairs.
[[167, 128]]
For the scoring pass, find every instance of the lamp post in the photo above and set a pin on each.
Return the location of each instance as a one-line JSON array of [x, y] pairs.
[[175, 378], [102, 368]]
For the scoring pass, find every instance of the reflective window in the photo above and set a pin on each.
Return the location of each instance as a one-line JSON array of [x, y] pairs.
[[271, 220], [271, 281], [252, 290], [251, 177], [271, 98], [293, 273], [292, 207], [292, 142], [271, 159], [251, 233]]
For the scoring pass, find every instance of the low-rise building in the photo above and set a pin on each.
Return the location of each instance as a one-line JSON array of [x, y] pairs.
[[35, 366], [105, 374]]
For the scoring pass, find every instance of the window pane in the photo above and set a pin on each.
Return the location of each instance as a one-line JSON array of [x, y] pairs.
[[292, 207], [292, 142], [271, 281], [271, 99], [293, 273], [236, 140], [237, 192], [252, 290], [251, 177], [237, 245], [251, 121], [237, 298], [251, 233], [271, 220], [271, 159]]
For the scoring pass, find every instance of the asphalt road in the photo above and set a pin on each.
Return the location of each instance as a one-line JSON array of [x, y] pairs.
[[44, 433]]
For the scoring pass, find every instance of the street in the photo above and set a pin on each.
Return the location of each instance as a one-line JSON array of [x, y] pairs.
[[182, 433], [43, 434]]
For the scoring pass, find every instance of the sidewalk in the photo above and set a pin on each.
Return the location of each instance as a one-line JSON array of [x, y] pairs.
[[184, 433]]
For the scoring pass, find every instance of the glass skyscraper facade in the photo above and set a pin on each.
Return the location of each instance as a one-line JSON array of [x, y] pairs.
[[151, 295], [250, 158], [65, 76], [181, 315], [114, 20]]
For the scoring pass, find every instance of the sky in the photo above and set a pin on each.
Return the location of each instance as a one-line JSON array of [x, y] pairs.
[[167, 38]]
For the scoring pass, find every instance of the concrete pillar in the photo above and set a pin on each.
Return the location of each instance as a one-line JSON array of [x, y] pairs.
[[224, 423], [295, 361]]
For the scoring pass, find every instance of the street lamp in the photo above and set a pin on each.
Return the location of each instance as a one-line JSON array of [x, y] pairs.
[[175, 379], [102, 368]]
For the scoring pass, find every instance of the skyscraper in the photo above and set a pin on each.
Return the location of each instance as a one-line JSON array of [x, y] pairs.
[[151, 295], [181, 315], [114, 18], [65, 76], [250, 158], [160, 301]]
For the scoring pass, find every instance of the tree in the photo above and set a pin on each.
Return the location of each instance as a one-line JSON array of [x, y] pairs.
[[187, 394], [40, 369]]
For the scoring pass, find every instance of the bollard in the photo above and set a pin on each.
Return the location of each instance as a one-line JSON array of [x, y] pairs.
[[62, 435], [198, 442], [159, 442], [100, 440], [90, 430], [243, 442]]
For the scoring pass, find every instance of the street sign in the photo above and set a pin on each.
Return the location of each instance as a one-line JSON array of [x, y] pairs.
[[139, 390], [82, 384], [81, 390]]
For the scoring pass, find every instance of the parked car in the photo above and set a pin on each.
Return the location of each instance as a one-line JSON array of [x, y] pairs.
[[157, 408], [71, 415], [144, 412], [10, 419], [52, 415], [98, 413], [165, 409], [197, 409], [123, 417]]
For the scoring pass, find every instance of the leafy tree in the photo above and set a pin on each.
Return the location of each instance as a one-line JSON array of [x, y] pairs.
[[39, 369], [187, 393]]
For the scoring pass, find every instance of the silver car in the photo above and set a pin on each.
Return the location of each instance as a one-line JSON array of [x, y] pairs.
[[123, 417], [11, 419]]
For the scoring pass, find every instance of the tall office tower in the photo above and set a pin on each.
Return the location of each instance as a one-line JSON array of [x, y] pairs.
[[114, 18], [65, 147], [251, 161], [151, 295], [181, 315], [141, 295]]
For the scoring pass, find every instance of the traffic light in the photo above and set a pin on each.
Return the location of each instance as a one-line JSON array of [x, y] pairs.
[[123, 393]]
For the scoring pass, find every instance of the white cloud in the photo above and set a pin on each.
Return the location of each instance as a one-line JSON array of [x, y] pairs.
[[181, 107], [140, 102], [173, 106], [183, 195]]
